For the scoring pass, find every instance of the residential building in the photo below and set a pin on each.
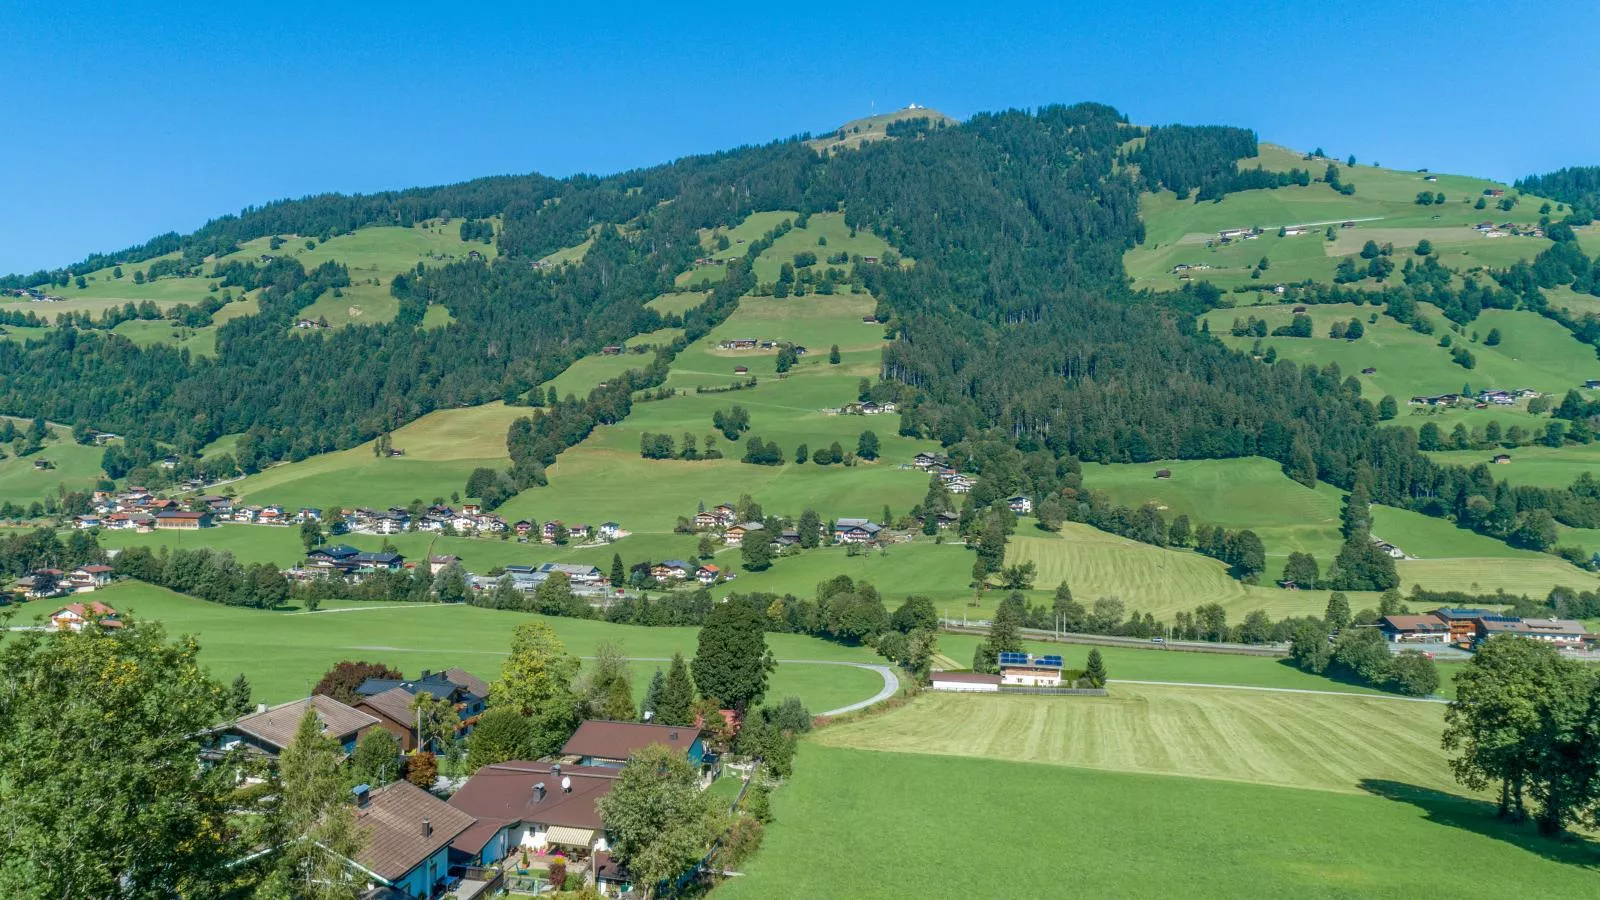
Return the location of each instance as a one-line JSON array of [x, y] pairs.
[[707, 573], [1025, 670], [855, 531], [268, 730], [577, 573], [610, 531], [88, 578], [406, 835], [1020, 505], [390, 699], [600, 742], [671, 570], [1462, 623], [535, 805], [76, 616]]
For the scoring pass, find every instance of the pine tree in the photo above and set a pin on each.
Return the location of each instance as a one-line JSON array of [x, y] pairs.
[[675, 704], [1094, 671], [619, 702], [652, 695], [618, 573], [238, 701]]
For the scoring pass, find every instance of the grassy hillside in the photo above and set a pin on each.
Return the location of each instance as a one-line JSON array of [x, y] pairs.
[[1537, 465], [75, 467], [441, 450], [1534, 352], [1383, 207]]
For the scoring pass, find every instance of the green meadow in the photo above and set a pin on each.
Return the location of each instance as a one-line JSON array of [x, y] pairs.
[[987, 826], [678, 303], [75, 467], [589, 372], [1534, 352], [1537, 465], [1383, 208], [825, 234], [284, 652], [441, 450]]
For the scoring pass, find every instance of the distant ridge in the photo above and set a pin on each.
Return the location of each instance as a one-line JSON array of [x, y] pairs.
[[852, 134]]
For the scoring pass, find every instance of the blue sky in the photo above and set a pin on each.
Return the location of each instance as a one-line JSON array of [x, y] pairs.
[[127, 120]]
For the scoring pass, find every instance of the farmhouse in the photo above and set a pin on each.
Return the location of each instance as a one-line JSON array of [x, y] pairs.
[[406, 835], [734, 535], [1020, 505], [1502, 459], [965, 682], [1424, 629], [1024, 670], [707, 574], [601, 742], [1462, 623], [670, 570], [88, 578], [855, 531]]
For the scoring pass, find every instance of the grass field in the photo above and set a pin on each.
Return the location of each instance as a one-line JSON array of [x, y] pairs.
[[1234, 735], [954, 827], [1534, 353], [77, 467], [678, 303], [829, 227], [442, 448], [1537, 465], [591, 371], [284, 653], [1383, 208]]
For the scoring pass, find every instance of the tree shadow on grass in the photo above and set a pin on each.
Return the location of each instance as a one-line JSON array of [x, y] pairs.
[[1479, 816]]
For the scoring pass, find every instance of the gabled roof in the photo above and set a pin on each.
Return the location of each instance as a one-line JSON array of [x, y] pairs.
[[504, 793], [474, 685], [1424, 623], [276, 726], [394, 703], [397, 840], [605, 739]]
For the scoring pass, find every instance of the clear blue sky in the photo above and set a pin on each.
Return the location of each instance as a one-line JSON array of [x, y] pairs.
[[126, 120]]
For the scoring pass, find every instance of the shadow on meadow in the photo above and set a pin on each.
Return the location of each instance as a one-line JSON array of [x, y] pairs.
[[1479, 816]]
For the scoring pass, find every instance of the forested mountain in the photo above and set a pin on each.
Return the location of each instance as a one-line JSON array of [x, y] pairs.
[[1577, 186], [1016, 327]]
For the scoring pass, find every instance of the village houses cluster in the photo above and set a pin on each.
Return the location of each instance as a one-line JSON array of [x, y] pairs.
[[1467, 628], [516, 816]]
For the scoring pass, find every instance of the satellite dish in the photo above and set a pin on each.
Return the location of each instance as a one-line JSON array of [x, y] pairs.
[[566, 784]]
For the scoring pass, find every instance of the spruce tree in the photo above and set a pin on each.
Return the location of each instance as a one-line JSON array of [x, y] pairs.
[[619, 575], [1094, 671], [652, 695], [675, 703]]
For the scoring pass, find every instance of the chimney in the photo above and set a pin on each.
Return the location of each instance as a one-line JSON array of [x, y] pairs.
[[555, 769], [261, 707], [538, 792], [363, 794], [672, 735], [427, 827]]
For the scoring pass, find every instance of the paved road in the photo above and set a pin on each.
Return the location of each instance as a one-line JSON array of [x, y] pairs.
[[1273, 690]]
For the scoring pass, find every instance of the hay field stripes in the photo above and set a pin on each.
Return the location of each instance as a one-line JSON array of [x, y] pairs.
[[1327, 742]]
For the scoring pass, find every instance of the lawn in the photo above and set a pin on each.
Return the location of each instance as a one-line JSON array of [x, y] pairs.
[[441, 450], [942, 826], [284, 653]]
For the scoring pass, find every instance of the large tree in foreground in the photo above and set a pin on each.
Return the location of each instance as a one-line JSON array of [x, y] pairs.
[[661, 822], [313, 826], [99, 733], [732, 661]]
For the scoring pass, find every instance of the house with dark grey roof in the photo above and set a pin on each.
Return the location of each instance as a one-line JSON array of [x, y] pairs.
[[406, 835], [389, 699]]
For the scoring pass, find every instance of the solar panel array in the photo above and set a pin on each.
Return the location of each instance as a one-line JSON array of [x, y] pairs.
[[1013, 659], [1055, 661]]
